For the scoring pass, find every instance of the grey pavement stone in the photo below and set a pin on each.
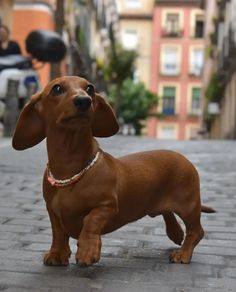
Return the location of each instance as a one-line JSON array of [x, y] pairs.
[[134, 258], [28, 222], [15, 228]]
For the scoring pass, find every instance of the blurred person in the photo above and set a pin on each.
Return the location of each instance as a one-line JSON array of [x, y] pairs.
[[7, 46]]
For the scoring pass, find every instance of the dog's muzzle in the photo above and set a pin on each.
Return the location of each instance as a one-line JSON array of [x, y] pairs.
[[83, 103]]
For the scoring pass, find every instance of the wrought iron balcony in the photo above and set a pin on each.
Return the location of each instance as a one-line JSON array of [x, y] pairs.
[[171, 34], [227, 55]]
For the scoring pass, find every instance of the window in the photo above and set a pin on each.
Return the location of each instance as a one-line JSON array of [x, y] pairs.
[[130, 39], [133, 3], [170, 61], [199, 26], [195, 101], [167, 133], [168, 107], [172, 24], [197, 61]]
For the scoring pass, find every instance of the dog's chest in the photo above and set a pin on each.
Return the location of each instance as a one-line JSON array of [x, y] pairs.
[[70, 211]]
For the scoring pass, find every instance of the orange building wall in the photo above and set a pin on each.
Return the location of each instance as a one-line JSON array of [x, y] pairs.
[[28, 19]]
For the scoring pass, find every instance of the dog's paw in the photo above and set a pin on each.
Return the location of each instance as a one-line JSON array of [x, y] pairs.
[[89, 252], [56, 258], [180, 256]]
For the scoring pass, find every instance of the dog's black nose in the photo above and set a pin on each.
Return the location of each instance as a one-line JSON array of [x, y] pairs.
[[82, 102]]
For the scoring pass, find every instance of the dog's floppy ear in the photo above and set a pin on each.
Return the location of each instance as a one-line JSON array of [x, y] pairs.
[[30, 128], [104, 122]]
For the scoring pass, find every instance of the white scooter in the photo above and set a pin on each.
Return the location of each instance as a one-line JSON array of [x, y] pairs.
[[43, 46], [19, 69]]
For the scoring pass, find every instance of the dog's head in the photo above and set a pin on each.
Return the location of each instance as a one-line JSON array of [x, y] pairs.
[[68, 102]]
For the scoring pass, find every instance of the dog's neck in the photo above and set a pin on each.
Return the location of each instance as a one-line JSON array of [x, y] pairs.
[[69, 151]]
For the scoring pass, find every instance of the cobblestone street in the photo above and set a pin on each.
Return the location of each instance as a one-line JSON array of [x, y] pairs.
[[135, 257]]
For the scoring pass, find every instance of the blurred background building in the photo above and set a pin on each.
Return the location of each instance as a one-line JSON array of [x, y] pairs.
[[220, 69], [186, 54], [136, 24], [176, 69], [91, 27]]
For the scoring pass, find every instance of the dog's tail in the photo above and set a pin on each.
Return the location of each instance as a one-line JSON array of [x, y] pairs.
[[206, 209]]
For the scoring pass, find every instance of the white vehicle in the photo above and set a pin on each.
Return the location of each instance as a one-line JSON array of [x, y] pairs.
[[42, 45], [18, 76], [18, 68]]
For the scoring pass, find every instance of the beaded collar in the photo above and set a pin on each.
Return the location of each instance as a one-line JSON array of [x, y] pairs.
[[65, 182]]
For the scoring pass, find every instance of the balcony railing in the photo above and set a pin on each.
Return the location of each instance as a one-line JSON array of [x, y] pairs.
[[227, 55], [173, 110], [168, 111], [170, 72], [196, 71], [195, 112], [171, 34]]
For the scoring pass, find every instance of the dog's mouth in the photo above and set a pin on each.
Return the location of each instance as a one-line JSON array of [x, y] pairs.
[[76, 117]]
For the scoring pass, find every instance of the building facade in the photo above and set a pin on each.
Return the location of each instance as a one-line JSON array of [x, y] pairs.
[[5, 12], [97, 25], [176, 69], [221, 39], [210, 9], [136, 18]]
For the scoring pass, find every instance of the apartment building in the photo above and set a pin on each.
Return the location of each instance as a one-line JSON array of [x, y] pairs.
[[221, 121], [177, 58], [97, 26], [136, 17]]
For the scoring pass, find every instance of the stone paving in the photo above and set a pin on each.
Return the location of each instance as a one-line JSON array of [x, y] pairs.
[[135, 257]]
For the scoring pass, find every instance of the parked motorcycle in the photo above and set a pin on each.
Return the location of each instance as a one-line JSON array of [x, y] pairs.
[[18, 77], [19, 69]]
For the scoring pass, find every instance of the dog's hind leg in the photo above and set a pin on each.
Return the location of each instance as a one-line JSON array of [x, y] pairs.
[[173, 229], [194, 233]]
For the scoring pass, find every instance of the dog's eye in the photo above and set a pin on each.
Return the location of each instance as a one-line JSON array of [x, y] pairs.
[[90, 90], [57, 89]]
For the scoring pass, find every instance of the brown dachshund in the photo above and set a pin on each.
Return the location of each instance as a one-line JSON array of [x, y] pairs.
[[87, 191]]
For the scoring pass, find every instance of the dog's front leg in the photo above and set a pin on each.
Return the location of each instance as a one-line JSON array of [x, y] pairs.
[[59, 253], [89, 243]]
